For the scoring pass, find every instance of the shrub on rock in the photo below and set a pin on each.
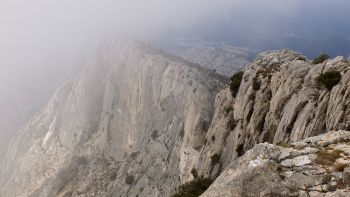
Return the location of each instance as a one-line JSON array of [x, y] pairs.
[[236, 82], [323, 57], [329, 79]]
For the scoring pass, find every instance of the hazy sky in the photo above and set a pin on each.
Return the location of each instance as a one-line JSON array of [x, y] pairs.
[[43, 41]]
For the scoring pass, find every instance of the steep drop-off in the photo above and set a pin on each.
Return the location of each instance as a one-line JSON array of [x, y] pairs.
[[140, 122], [132, 123], [279, 99]]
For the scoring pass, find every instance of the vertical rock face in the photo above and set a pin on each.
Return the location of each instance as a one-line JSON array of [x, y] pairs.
[[225, 60], [132, 123], [279, 100], [137, 120]]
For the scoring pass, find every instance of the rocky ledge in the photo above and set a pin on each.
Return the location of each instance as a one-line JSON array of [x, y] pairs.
[[316, 166]]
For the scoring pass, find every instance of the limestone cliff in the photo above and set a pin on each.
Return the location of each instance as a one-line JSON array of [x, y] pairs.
[[132, 123], [279, 99], [140, 122]]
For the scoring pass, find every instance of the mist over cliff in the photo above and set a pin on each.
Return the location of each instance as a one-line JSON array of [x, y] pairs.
[[127, 98]]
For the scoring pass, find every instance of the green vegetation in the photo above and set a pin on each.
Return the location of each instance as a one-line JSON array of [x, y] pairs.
[[236, 82], [320, 59], [301, 58], [213, 138], [129, 179], [113, 176], [256, 84], [227, 110], [231, 124], [329, 79], [268, 70], [215, 159], [194, 188], [194, 173], [154, 134], [240, 150]]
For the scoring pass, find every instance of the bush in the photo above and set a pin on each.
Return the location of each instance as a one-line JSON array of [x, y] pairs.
[[215, 159], [240, 150], [194, 173], [323, 57], [236, 82], [154, 134], [256, 84], [194, 188], [231, 124], [301, 58], [129, 179], [227, 110], [113, 176], [329, 79]]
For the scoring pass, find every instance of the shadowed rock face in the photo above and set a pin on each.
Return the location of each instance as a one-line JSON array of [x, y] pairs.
[[137, 120], [134, 112]]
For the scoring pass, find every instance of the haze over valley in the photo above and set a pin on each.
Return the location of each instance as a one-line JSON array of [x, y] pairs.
[[184, 98]]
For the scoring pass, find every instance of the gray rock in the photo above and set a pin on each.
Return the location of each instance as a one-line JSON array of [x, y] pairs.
[[224, 60], [278, 100], [136, 117], [260, 173], [346, 176], [137, 120]]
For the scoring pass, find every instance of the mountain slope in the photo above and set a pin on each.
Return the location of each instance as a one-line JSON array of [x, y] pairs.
[[132, 123], [279, 99], [140, 122], [224, 60]]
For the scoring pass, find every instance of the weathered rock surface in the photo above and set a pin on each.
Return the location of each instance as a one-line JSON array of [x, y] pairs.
[[138, 120], [225, 60], [297, 169], [278, 100], [132, 123]]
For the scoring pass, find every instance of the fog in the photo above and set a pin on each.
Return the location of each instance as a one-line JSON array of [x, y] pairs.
[[44, 42]]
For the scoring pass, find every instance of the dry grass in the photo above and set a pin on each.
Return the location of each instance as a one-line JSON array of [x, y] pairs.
[[339, 167], [328, 157], [285, 145]]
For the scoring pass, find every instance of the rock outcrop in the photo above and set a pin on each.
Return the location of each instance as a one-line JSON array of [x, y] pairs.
[[279, 100], [224, 60], [315, 167], [140, 122], [132, 123]]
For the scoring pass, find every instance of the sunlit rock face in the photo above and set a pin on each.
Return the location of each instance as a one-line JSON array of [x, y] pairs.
[[132, 123], [225, 60]]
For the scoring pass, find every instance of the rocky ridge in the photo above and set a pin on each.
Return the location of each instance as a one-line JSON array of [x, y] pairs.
[[140, 122], [279, 99]]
